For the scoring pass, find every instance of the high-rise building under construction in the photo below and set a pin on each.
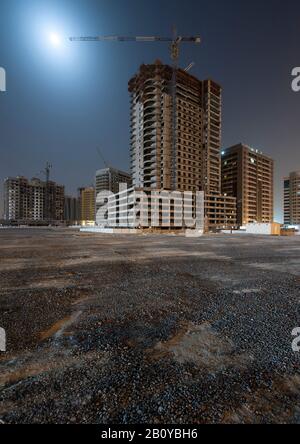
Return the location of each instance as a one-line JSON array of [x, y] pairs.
[[292, 199], [193, 162], [247, 174]]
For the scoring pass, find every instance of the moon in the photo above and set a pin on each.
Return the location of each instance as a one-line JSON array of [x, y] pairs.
[[55, 39]]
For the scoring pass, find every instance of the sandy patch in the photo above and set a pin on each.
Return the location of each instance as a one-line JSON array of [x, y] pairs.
[[201, 345], [59, 327]]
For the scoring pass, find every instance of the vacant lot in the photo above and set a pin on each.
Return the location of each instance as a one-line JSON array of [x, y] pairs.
[[160, 329]]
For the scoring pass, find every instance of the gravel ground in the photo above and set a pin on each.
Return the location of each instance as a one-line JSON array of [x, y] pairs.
[[148, 329]]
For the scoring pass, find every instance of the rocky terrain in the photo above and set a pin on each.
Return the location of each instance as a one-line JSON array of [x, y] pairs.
[[148, 328]]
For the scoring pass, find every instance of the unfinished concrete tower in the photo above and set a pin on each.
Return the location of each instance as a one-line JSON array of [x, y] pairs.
[[292, 199], [248, 175], [193, 162]]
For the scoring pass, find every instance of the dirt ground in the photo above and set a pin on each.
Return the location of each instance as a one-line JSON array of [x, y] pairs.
[[148, 329]]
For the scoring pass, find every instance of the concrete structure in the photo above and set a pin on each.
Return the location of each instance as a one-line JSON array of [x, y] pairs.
[[195, 164], [247, 175], [264, 229], [220, 211], [108, 179], [292, 199], [109, 230], [72, 210], [286, 201], [87, 205], [33, 201]]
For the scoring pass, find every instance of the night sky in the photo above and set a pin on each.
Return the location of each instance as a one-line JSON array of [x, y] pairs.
[[61, 103]]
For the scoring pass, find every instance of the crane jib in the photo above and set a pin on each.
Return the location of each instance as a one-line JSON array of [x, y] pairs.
[[114, 38]]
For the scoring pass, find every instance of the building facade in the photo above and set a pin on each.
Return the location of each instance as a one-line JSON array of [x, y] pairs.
[[195, 164], [220, 211], [286, 201], [33, 200], [292, 199], [247, 175], [108, 179], [191, 162], [87, 205], [72, 210]]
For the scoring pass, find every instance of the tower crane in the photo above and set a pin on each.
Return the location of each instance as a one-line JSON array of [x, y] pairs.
[[47, 192], [102, 157], [174, 41], [46, 171]]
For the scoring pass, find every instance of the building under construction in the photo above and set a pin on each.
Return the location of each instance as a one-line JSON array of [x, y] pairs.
[[178, 149], [292, 199], [33, 201], [247, 175], [109, 179]]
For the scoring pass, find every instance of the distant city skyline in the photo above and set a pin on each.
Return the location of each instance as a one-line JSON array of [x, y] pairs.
[[60, 105]]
